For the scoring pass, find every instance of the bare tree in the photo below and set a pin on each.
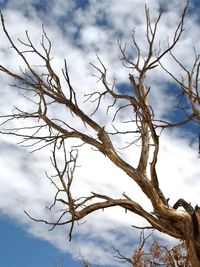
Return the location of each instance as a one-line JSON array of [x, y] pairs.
[[46, 90]]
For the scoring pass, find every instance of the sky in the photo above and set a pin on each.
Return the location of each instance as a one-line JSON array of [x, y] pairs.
[[79, 31]]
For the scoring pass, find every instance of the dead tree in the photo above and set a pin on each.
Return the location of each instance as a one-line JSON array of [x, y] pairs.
[[46, 89]]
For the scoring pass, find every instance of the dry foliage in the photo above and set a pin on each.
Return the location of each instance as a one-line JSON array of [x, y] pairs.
[[156, 254]]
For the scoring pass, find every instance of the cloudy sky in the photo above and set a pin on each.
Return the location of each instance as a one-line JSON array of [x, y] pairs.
[[80, 30]]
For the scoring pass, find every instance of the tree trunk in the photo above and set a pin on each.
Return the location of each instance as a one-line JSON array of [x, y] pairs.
[[193, 253], [189, 229], [193, 244]]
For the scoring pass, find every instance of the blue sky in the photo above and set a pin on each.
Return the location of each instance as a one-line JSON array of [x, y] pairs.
[[79, 30], [18, 248]]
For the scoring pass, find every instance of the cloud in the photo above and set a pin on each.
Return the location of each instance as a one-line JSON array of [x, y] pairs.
[[77, 34]]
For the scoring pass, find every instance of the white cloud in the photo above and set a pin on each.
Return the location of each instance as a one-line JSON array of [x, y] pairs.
[[94, 29]]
